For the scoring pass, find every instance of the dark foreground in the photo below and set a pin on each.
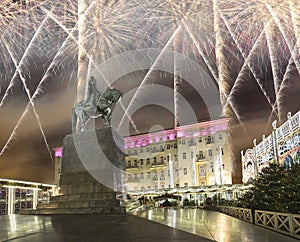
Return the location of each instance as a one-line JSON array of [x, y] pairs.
[[88, 228]]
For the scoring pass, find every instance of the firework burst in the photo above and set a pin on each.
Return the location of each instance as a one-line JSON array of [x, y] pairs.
[[231, 39]]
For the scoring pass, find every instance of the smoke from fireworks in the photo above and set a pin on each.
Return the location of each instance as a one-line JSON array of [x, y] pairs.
[[233, 40]]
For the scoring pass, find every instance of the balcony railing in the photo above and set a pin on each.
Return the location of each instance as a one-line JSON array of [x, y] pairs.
[[132, 166], [158, 164], [132, 179], [200, 157], [295, 121]]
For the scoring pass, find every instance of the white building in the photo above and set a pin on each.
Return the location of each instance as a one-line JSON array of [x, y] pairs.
[[16, 195], [281, 146], [190, 155]]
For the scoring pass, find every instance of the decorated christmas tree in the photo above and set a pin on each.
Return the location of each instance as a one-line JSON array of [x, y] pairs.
[[277, 189]]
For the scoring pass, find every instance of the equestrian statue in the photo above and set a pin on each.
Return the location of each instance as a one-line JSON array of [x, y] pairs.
[[96, 105]]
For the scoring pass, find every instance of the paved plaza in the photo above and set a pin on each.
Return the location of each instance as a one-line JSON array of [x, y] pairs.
[[213, 225], [160, 225]]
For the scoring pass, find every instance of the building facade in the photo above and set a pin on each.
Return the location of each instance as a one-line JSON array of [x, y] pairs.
[[282, 146], [16, 195], [57, 164], [190, 155]]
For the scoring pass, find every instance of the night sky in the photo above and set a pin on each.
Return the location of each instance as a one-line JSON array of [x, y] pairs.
[[26, 156]]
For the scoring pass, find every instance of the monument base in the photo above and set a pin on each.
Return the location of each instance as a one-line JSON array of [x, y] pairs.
[[80, 192]]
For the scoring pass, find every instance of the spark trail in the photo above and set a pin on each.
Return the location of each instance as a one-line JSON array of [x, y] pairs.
[[295, 55], [207, 62], [90, 57], [18, 71], [31, 103], [148, 74], [247, 63], [32, 98], [22, 61]]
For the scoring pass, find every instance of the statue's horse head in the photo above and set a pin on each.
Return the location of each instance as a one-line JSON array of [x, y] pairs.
[[112, 95]]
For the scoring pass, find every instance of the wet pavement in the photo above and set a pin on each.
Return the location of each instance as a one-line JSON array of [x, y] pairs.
[[213, 225], [159, 225], [87, 228]]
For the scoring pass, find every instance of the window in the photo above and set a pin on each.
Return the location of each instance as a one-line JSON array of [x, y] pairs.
[[168, 158], [183, 141], [222, 151], [192, 154], [129, 163], [220, 137], [168, 147], [192, 142], [186, 184], [155, 178], [177, 185], [135, 176], [141, 161], [142, 175], [162, 175], [201, 156], [148, 175], [210, 152], [200, 139], [176, 172], [202, 171], [184, 171], [148, 161], [161, 148], [142, 150], [211, 167], [175, 158], [148, 149], [135, 162], [202, 184], [175, 146], [154, 160], [161, 159], [223, 166], [184, 155], [208, 141]]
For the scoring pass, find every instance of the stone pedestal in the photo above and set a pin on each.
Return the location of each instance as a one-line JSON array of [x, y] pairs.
[[92, 164]]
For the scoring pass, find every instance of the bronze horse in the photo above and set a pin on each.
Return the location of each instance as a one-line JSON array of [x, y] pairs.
[[96, 105]]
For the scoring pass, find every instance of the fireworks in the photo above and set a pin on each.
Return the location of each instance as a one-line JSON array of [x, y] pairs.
[[231, 39]]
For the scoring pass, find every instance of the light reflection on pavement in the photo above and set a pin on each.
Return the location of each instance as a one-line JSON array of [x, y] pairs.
[[212, 225]]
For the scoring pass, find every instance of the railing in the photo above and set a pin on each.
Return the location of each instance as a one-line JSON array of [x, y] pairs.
[[161, 163], [241, 213], [284, 223], [295, 121], [132, 166]]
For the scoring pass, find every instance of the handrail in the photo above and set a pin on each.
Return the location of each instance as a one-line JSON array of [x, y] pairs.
[[284, 223], [241, 213]]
